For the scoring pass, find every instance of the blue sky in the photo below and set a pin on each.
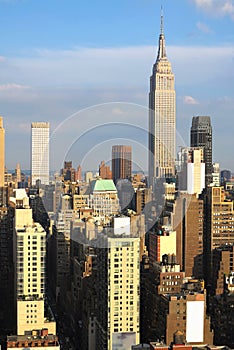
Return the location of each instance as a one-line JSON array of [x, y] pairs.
[[81, 64]]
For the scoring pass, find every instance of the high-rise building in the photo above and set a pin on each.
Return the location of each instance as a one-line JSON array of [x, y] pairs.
[[104, 171], [162, 115], [29, 246], [40, 152], [201, 136], [121, 162], [118, 270], [192, 175], [2, 153]]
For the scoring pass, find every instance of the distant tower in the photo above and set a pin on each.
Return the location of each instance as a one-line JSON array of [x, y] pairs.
[[162, 115], [2, 153], [201, 136], [40, 152], [121, 162]]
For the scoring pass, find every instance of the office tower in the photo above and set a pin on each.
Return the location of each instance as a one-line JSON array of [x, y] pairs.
[[104, 171], [162, 115], [79, 173], [187, 221], [219, 224], [121, 162], [2, 153], [192, 175], [225, 176], [29, 244], [201, 136], [68, 172], [40, 153], [118, 276]]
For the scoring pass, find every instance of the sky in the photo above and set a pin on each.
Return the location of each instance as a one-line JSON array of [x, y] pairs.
[[85, 68]]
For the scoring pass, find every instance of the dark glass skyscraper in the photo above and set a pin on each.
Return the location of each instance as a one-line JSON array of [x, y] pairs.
[[201, 136], [121, 162]]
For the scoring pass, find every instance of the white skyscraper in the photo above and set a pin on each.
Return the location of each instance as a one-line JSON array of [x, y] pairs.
[[40, 152], [162, 115]]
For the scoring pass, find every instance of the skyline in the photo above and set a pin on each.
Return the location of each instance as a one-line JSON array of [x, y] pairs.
[[80, 57]]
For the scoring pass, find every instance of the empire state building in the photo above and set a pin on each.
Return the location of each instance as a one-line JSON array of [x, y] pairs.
[[162, 115]]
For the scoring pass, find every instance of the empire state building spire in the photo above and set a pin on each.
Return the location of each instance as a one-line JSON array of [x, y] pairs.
[[162, 115], [162, 45]]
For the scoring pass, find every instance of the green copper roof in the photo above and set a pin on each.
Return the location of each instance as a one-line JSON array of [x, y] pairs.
[[103, 185]]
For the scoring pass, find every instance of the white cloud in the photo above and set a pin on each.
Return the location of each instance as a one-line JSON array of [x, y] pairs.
[[203, 28], [189, 100], [218, 8], [13, 86]]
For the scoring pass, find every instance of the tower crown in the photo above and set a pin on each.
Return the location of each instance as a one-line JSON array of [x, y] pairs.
[[162, 44]]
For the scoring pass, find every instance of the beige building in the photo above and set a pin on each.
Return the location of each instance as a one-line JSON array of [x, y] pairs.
[[29, 243], [222, 218], [119, 297], [2, 153], [162, 115], [103, 198]]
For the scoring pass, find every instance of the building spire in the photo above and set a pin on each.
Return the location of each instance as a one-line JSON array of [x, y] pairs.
[[162, 24], [162, 45]]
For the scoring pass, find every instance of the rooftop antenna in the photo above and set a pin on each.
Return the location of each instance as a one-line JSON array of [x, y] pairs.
[[162, 24]]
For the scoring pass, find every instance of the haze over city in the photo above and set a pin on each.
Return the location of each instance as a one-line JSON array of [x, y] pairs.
[[59, 58]]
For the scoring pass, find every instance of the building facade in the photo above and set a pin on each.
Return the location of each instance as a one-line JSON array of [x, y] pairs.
[[118, 268], [40, 152], [121, 162], [201, 136], [162, 115]]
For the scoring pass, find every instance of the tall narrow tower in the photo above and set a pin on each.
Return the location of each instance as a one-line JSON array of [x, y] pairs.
[[201, 136], [162, 115], [2, 153], [40, 152], [121, 162]]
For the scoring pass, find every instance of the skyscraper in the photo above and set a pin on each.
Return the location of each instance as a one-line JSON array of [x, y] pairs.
[[201, 136], [121, 162], [40, 152], [118, 270], [2, 153], [162, 115], [29, 243]]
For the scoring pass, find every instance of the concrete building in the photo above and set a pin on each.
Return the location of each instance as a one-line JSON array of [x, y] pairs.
[[103, 198], [192, 175], [121, 162], [160, 243], [104, 171], [2, 153], [40, 137], [33, 340], [201, 136], [222, 266], [187, 220], [185, 313], [162, 115], [68, 172], [29, 247], [118, 273]]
